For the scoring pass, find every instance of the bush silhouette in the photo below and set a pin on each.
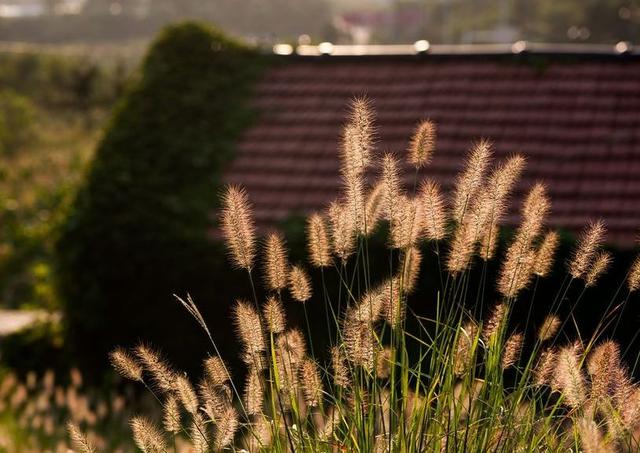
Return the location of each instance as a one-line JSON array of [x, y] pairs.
[[138, 230]]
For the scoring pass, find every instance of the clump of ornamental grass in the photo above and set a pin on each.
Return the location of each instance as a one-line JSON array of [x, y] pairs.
[[473, 383]]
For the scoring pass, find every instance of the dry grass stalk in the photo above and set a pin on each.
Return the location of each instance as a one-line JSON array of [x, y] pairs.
[[423, 144], [549, 328], [545, 254], [318, 241], [471, 179], [125, 364], [276, 263], [434, 215], [238, 227], [274, 315], [249, 329], [512, 350], [299, 284], [78, 440], [147, 437], [587, 246], [600, 265]]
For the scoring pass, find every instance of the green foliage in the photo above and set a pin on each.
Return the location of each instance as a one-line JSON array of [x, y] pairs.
[[17, 116], [139, 229]]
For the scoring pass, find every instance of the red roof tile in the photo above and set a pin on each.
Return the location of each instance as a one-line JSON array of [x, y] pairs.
[[577, 122]]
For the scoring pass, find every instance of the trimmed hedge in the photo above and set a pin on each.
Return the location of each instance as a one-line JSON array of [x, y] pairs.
[[139, 228]]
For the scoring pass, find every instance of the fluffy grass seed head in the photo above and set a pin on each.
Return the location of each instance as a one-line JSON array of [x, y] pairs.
[[491, 203], [226, 428], [343, 233], [358, 136], [495, 322], [586, 249], [411, 269], [311, 382], [249, 329], [591, 438], [383, 363], [461, 248], [163, 376], [545, 367], [274, 315], [512, 350], [147, 437], [606, 369], [549, 328], [470, 180], [199, 435], [423, 144], [299, 284], [78, 440], [341, 376], [276, 263], [434, 213], [373, 207], [633, 281], [125, 364], [463, 353], [406, 223], [545, 254], [535, 209], [391, 185], [171, 419], [360, 344], [186, 394], [568, 378], [253, 392], [216, 371], [318, 241], [393, 302], [238, 227], [600, 265]]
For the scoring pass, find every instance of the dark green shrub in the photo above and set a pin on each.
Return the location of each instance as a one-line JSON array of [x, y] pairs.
[[17, 117], [140, 227]]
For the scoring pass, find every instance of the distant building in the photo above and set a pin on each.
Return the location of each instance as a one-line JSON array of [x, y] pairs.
[[37, 8]]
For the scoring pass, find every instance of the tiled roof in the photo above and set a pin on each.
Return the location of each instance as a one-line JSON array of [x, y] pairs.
[[576, 120]]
